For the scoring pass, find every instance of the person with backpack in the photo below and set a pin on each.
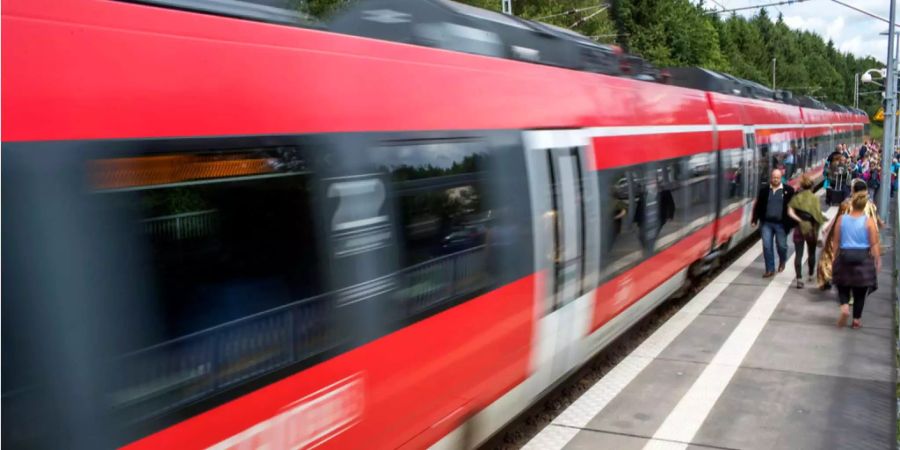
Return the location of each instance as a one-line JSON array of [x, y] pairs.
[[838, 177], [874, 180]]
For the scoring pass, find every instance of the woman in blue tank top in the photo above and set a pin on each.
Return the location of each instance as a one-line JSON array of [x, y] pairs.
[[858, 258]]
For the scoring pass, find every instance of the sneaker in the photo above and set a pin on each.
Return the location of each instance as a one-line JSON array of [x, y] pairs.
[[781, 268], [811, 278], [768, 275], [799, 283]]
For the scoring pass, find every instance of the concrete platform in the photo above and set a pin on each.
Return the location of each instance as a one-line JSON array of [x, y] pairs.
[[749, 363]]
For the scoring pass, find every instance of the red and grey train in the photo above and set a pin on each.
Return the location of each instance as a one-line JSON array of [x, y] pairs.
[[223, 232]]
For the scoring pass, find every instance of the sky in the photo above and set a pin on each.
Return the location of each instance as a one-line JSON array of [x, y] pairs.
[[851, 31]]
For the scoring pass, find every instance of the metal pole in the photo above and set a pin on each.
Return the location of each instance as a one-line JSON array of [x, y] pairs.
[[856, 90], [890, 110], [896, 77]]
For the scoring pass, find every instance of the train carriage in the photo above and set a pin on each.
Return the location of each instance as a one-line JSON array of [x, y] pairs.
[[227, 232]]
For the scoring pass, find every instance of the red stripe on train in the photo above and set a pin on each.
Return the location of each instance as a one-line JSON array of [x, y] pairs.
[[618, 151], [731, 139], [616, 295], [729, 225], [410, 387]]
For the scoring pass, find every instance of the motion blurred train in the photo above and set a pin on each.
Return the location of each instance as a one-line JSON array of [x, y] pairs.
[[226, 227]]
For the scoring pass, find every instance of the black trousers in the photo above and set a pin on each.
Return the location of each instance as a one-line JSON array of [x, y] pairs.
[[859, 298], [798, 257]]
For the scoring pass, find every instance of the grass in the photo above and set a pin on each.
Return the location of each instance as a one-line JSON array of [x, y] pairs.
[[876, 131]]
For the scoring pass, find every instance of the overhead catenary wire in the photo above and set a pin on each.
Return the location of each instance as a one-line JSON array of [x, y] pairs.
[[588, 17], [784, 2], [573, 11], [874, 16], [720, 5]]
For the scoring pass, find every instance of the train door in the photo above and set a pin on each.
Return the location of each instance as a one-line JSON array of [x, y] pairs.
[[759, 168], [566, 244], [750, 168]]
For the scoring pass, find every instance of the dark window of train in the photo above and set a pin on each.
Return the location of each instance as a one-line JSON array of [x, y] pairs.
[[802, 156], [735, 166], [227, 242], [444, 217], [763, 165], [622, 196], [671, 195], [273, 11], [700, 184]]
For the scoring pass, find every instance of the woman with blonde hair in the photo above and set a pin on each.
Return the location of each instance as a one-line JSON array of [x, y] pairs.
[[823, 271], [858, 258]]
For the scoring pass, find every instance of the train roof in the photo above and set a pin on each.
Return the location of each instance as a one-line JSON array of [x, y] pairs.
[[713, 81], [455, 26]]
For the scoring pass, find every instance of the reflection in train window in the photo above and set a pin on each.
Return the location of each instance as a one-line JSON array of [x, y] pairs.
[[701, 191], [439, 189], [736, 166], [671, 197], [622, 192], [227, 242], [762, 165]]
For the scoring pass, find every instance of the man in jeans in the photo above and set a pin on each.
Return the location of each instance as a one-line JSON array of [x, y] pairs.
[[770, 208]]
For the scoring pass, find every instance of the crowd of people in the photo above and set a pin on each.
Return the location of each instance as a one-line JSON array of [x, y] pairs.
[[845, 164], [851, 251]]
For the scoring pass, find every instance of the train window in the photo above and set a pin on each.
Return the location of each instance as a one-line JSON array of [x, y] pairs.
[[701, 191], [734, 174], [810, 153], [671, 192], [227, 242], [792, 159], [802, 157], [273, 11], [444, 218], [762, 165], [621, 214]]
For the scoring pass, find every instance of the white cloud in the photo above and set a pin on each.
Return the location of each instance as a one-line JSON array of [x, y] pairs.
[[850, 30], [854, 45], [835, 28]]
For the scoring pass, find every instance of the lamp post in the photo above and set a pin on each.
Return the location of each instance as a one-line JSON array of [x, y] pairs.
[[856, 90], [890, 109]]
